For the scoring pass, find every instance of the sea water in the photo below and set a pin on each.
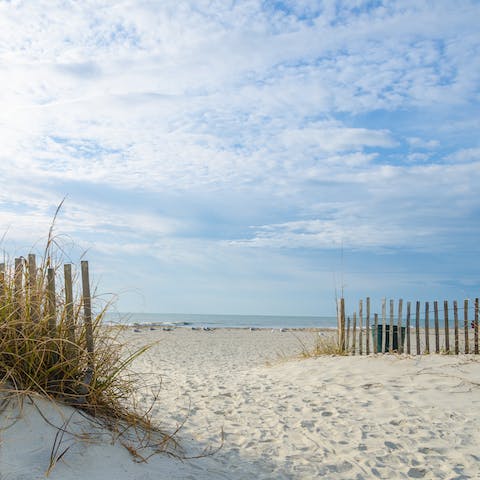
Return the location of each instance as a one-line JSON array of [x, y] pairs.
[[194, 320]]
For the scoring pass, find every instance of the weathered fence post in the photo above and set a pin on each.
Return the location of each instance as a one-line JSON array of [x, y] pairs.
[[427, 328], [360, 327], [87, 309], [475, 327], [384, 325], [437, 335], [447, 327], [417, 327], [407, 328], [2, 281], [33, 289], [375, 341], [347, 342], [390, 334], [455, 319], [18, 287], [367, 328], [465, 324], [399, 326], [354, 333], [69, 321]]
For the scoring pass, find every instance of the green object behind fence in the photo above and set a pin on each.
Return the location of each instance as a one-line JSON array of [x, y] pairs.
[[377, 336]]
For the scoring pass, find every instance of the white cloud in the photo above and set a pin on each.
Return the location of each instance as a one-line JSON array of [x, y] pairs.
[[417, 157], [465, 155], [386, 207], [423, 143], [336, 138]]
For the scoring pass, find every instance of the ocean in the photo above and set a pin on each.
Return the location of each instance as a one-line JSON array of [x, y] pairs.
[[221, 321]]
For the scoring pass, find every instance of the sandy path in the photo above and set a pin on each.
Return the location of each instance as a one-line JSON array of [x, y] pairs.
[[342, 417]]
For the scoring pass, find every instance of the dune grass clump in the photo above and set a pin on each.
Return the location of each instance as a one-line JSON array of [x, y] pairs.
[[48, 348], [322, 344]]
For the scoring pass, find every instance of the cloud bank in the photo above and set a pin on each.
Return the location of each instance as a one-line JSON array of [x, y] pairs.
[[196, 135]]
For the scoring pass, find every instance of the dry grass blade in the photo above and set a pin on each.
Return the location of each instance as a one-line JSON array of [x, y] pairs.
[[55, 454]]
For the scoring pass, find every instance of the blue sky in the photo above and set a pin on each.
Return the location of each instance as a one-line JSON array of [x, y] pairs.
[[250, 157]]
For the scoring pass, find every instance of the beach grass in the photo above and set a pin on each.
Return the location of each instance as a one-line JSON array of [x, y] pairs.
[[47, 354], [320, 344]]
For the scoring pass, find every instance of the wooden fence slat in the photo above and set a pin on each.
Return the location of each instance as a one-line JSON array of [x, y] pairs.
[[399, 326], [466, 325], [447, 327], [390, 335], [354, 333], [18, 281], [2, 281], [375, 341], [360, 328], [33, 289], [384, 324], [342, 324], [407, 328], [67, 271], [367, 328], [455, 319], [417, 327], [437, 335], [427, 328], [18, 287], [347, 340], [32, 271], [87, 308], [339, 322], [475, 326]]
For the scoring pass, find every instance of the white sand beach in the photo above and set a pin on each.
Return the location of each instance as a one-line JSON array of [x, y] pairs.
[[382, 416]]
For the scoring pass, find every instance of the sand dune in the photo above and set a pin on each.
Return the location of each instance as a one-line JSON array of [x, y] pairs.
[[282, 418]]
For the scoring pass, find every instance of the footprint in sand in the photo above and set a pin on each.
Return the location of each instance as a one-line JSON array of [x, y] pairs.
[[416, 473], [391, 445]]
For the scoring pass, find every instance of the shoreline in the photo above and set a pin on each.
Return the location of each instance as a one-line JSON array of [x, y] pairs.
[[222, 321], [170, 327]]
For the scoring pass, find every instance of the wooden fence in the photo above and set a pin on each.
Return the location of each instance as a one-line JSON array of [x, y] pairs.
[[420, 328], [32, 291]]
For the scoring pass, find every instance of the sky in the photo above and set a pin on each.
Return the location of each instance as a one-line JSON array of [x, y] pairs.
[[246, 156]]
